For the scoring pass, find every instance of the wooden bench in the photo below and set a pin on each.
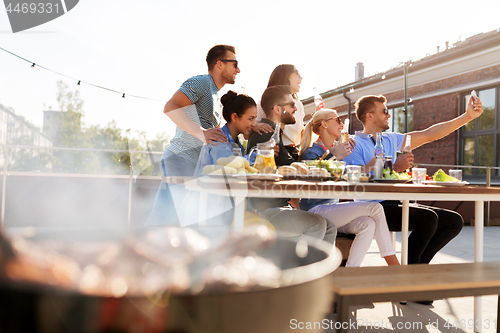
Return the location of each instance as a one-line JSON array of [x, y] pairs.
[[361, 285]]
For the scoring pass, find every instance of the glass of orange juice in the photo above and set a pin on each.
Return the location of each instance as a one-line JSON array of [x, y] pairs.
[[264, 161]]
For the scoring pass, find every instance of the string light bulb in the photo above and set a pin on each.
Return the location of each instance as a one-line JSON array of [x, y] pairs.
[[351, 90], [79, 82], [123, 96], [383, 77], [33, 65]]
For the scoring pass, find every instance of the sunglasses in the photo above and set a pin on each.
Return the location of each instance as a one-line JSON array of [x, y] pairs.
[[297, 72], [385, 111], [230, 60], [337, 119], [292, 104]]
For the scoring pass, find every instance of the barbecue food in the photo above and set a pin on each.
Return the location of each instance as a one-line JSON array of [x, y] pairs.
[[176, 259]]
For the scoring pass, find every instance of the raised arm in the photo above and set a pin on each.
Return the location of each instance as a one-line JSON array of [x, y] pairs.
[[440, 130], [175, 110]]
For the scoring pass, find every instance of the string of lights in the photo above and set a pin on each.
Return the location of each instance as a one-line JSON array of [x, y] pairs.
[[350, 86], [80, 82]]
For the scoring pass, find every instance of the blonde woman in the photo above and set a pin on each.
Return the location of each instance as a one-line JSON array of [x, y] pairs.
[[364, 219]]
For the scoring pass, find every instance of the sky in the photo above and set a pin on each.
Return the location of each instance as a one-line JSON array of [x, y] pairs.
[[149, 48]]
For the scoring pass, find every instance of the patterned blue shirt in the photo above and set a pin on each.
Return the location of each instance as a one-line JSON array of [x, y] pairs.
[[205, 111]]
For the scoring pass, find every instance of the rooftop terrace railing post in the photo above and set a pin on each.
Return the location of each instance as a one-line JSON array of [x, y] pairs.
[[4, 181], [488, 184], [406, 66], [131, 178], [488, 177]]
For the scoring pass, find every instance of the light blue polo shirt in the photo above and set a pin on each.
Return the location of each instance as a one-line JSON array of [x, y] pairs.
[[365, 147]]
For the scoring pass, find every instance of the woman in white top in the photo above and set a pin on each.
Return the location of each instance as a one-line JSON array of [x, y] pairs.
[[292, 134]]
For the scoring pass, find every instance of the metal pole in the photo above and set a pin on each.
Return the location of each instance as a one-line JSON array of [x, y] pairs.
[[405, 72], [478, 257], [488, 184], [130, 179], [348, 110], [488, 177], [4, 181], [405, 223]]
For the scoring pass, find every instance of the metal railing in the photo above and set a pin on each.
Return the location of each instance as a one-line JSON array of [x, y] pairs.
[[131, 172], [488, 180], [487, 168]]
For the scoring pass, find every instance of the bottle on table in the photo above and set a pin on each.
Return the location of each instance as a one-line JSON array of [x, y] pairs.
[[379, 149], [379, 167], [388, 163], [276, 135]]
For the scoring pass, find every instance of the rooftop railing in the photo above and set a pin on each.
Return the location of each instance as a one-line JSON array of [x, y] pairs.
[[6, 149], [130, 176], [474, 177]]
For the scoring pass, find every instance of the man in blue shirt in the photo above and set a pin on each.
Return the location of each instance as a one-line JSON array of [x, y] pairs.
[[432, 228]]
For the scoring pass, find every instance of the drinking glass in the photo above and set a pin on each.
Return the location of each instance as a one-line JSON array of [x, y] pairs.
[[457, 173], [353, 173], [418, 175], [338, 168]]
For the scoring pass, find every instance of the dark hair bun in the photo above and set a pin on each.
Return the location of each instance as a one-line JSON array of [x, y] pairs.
[[228, 97]]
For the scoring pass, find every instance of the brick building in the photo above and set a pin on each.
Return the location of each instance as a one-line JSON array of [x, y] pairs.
[[438, 87]]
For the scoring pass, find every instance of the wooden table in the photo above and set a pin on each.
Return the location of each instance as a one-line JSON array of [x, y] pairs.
[[241, 189]]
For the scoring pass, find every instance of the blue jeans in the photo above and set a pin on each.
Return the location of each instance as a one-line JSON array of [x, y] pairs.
[[164, 212], [174, 205]]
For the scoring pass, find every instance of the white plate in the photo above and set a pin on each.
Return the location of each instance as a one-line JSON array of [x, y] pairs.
[[434, 182], [305, 177], [259, 176], [218, 175], [250, 176], [391, 181]]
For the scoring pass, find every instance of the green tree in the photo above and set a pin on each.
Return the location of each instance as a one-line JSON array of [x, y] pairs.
[[23, 133], [158, 144], [30, 159], [73, 134]]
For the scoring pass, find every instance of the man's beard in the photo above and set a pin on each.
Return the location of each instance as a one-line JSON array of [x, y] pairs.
[[229, 79], [289, 120], [383, 126]]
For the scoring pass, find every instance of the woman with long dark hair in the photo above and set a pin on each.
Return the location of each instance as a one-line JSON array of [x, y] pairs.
[[239, 112]]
